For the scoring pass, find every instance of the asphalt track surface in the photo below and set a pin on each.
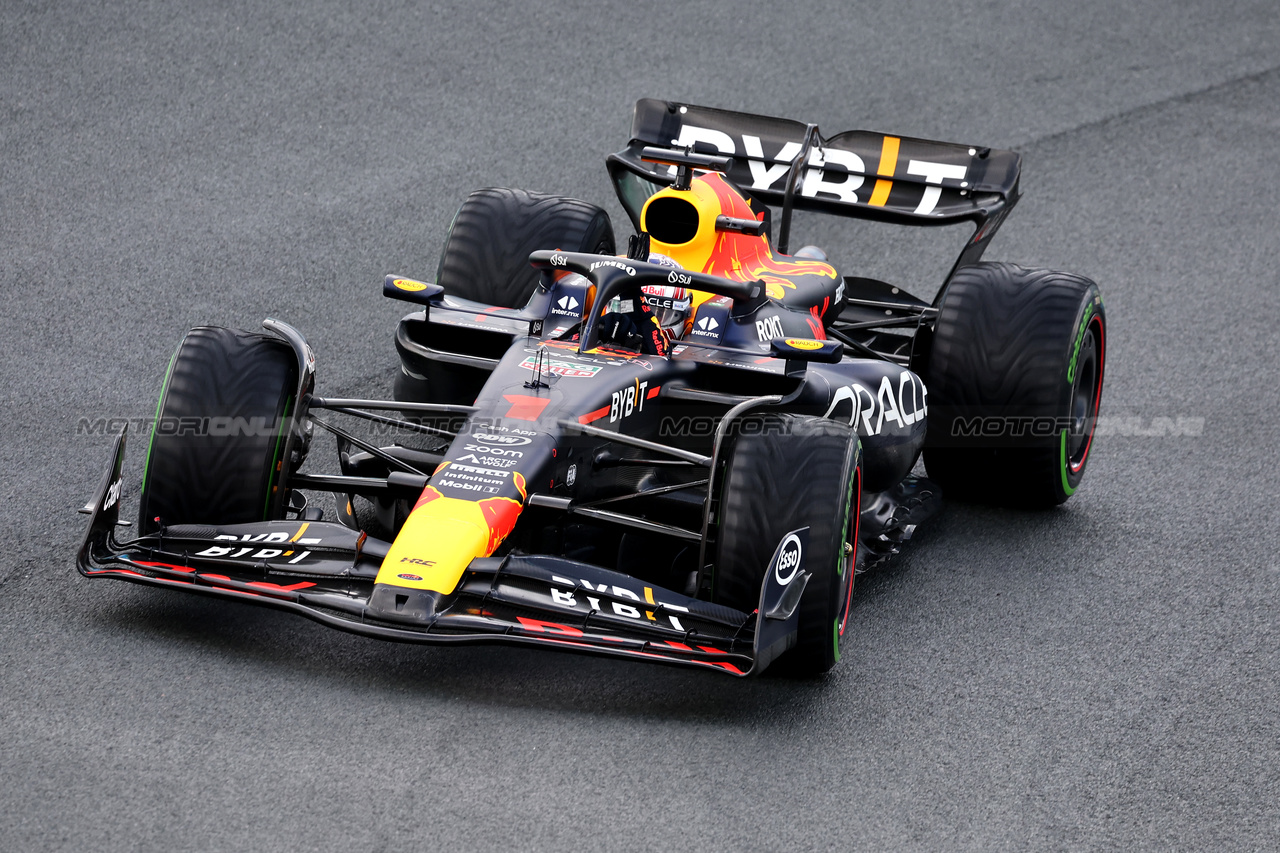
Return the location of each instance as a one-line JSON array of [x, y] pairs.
[[1102, 676]]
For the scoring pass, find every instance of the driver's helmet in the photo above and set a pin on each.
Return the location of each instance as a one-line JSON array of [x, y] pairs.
[[670, 304]]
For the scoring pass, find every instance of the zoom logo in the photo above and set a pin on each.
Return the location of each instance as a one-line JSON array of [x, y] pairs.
[[789, 555]]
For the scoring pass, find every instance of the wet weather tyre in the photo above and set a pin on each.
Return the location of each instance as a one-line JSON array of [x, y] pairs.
[[1015, 381], [784, 472], [215, 452], [486, 254]]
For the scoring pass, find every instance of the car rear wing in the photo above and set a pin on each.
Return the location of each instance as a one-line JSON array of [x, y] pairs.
[[857, 173]]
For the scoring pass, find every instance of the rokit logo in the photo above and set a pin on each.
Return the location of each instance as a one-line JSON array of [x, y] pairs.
[[789, 556], [769, 328]]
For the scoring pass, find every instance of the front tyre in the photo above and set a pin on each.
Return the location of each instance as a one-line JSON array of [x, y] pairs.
[[216, 450], [1015, 382], [785, 472]]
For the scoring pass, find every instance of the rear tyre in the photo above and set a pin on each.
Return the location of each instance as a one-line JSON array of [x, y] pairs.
[[1015, 381], [215, 455], [486, 255], [785, 472], [486, 259]]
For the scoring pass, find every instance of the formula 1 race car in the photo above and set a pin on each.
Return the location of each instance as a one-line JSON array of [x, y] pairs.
[[683, 453]]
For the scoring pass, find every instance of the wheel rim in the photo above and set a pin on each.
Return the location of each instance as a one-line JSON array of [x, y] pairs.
[[1086, 393]]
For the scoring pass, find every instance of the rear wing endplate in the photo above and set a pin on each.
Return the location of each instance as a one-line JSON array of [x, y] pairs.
[[857, 173]]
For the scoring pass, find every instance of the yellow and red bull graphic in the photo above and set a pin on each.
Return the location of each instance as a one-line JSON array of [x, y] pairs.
[[444, 534], [728, 254]]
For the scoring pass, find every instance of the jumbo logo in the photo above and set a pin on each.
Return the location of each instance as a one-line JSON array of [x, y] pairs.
[[409, 285], [626, 268], [788, 560]]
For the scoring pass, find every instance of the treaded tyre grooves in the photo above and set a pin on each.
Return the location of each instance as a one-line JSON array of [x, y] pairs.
[[239, 386], [486, 255], [785, 472], [1025, 348]]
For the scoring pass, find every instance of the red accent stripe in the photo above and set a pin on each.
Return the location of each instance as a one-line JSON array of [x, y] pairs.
[[525, 407], [653, 392], [290, 588], [853, 564], [722, 665], [151, 565], [540, 627], [594, 416], [725, 665], [815, 323]]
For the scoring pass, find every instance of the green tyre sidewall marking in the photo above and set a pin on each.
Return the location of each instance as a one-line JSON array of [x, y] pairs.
[[1077, 340], [275, 459], [1091, 308], [1062, 457], [155, 421]]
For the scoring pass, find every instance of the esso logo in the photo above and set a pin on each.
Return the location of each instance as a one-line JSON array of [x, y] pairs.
[[788, 560], [408, 577], [509, 440], [679, 278], [112, 496]]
